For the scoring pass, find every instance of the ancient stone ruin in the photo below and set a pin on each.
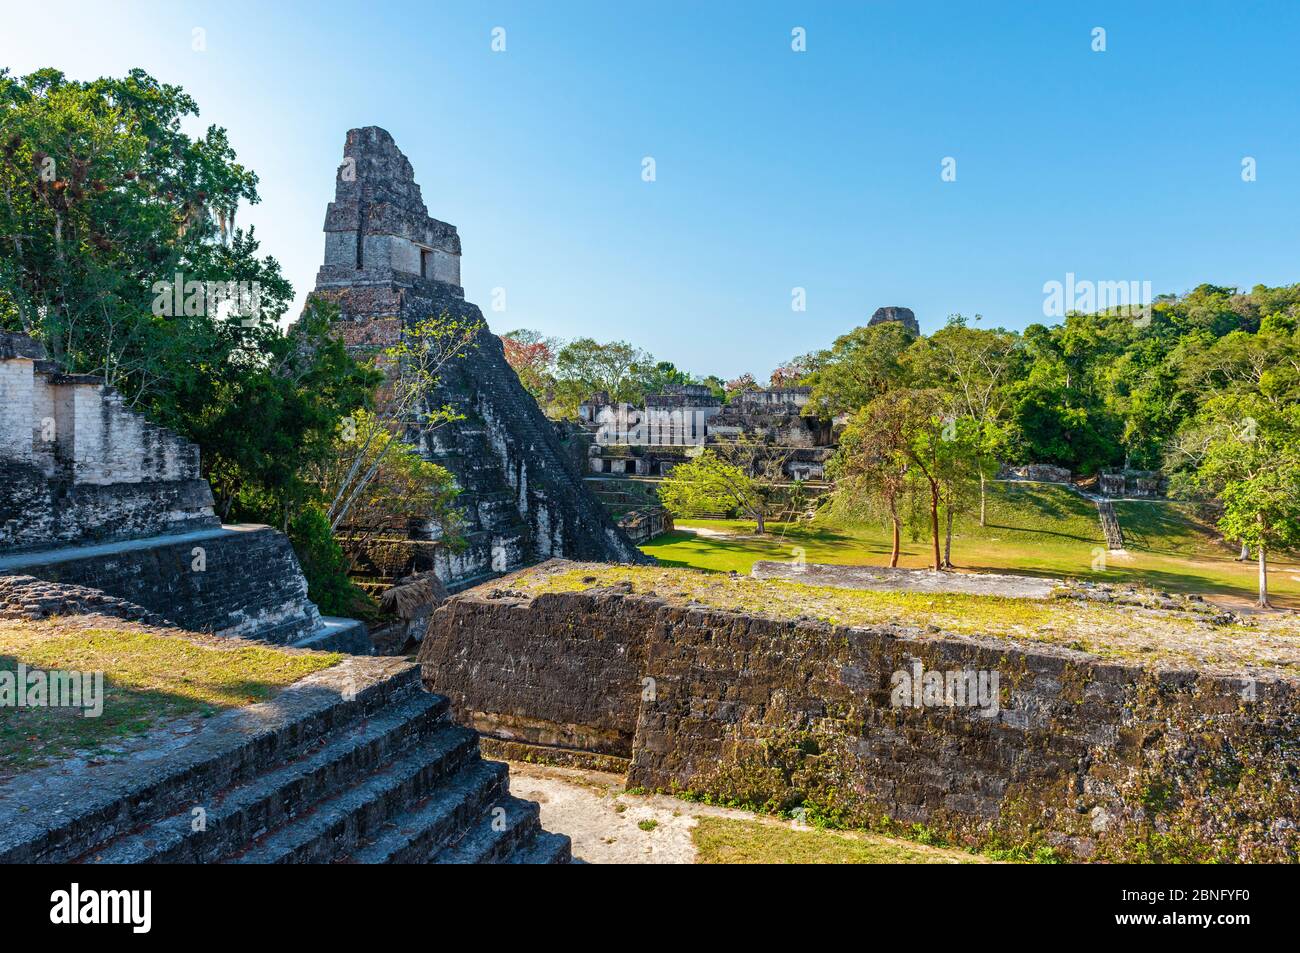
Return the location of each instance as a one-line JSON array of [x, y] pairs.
[[651, 440], [388, 264], [1132, 483], [899, 315], [92, 494], [750, 705], [104, 515], [353, 764], [78, 466]]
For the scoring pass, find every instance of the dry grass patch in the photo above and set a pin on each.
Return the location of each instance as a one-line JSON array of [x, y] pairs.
[[150, 676], [721, 840]]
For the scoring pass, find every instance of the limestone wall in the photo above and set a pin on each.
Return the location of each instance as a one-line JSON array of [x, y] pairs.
[[1091, 758], [16, 395], [78, 466]]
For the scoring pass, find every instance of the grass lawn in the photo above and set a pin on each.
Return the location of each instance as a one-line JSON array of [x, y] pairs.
[[1039, 529], [149, 678], [720, 840]]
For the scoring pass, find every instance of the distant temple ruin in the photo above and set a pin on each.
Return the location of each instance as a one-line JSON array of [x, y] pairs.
[[897, 315], [388, 265], [651, 440]]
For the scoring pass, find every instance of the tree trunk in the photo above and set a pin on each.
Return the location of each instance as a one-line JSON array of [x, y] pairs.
[[947, 539], [1245, 553], [982, 496], [934, 525], [896, 524], [1263, 580], [758, 518]]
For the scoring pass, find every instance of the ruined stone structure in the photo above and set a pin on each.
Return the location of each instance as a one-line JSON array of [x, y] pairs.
[[903, 316], [388, 264], [736, 705], [77, 465], [650, 441], [353, 764], [93, 494], [1150, 484], [1035, 473]]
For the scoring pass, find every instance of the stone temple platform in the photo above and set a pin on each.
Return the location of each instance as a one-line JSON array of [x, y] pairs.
[[93, 494], [353, 764], [249, 584], [885, 579]]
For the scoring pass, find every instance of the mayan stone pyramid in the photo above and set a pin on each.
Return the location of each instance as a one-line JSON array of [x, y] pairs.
[[388, 264]]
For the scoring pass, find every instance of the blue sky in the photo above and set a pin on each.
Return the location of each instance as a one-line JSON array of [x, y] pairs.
[[774, 169]]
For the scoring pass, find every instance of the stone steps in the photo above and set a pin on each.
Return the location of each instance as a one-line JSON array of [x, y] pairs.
[[267, 801], [337, 825], [356, 763], [546, 848], [1110, 525], [427, 824], [507, 826]]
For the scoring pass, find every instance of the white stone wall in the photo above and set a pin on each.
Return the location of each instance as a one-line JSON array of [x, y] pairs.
[[16, 393], [45, 425], [79, 465], [88, 437]]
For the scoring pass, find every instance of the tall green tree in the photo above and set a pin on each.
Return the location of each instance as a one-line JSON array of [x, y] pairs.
[[585, 366], [119, 250], [1245, 452], [905, 442], [859, 367], [975, 366], [709, 483]]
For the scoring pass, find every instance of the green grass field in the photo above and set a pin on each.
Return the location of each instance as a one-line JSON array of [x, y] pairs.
[[1039, 529]]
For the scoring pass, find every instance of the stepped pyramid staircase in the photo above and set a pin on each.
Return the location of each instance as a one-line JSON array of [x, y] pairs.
[[354, 764]]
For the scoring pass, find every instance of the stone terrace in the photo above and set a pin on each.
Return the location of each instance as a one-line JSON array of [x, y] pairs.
[[355, 763], [1111, 622], [1124, 724]]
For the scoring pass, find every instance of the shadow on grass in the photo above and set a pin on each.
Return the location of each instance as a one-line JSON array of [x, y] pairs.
[[1164, 530], [35, 735], [1030, 531]]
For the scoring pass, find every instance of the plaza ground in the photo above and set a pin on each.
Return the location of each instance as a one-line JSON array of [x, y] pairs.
[[1040, 529], [611, 825]]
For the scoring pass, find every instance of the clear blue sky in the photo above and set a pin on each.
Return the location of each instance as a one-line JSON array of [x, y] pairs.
[[775, 169]]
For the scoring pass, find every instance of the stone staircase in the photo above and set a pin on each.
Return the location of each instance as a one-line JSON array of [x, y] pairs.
[[1110, 525], [355, 764]]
